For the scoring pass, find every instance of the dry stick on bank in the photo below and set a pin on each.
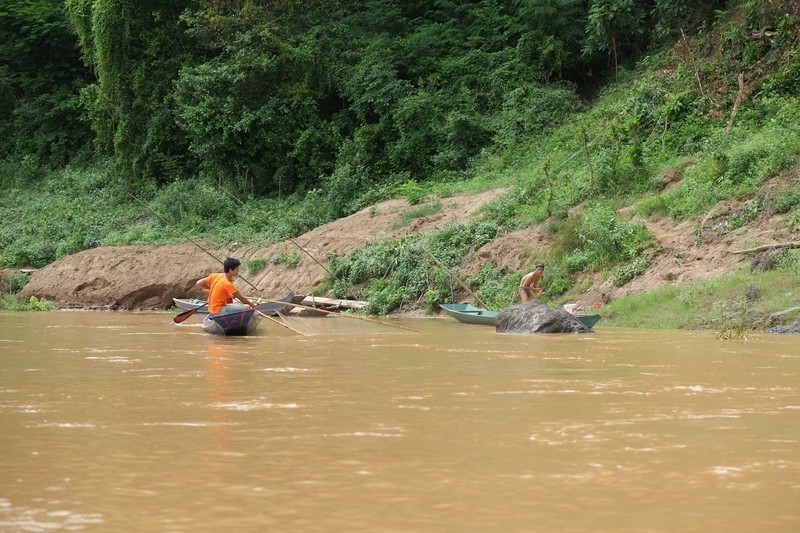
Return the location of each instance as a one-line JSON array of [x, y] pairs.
[[588, 158], [794, 244], [742, 93], [549, 186], [167, 222], [694, 63], [454, 277]]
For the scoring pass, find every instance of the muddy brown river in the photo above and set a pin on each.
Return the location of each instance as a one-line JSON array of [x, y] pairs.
[[128, 422]]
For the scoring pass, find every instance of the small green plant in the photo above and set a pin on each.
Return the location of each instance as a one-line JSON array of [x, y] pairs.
[[737, 319], [35, 304], [793, 220], [789, 261], [740, 218], [17, 281], [496, 287], [382, 297], [413, 192], [290, 259], [9, 302], [784, 200], [627, 272], [601, 239], [254, 266]]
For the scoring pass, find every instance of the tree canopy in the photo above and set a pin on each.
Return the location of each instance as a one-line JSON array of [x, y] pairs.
[[282, 97]]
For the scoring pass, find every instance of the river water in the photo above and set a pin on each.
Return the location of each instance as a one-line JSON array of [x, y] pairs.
[[128, 422]]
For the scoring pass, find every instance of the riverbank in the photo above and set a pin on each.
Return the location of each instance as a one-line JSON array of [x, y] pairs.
[[693, 253]]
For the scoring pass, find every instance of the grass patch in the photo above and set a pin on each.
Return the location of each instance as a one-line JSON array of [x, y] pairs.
[[10, 302], [254, 266], [740, 301], [290, 259], [419, 211]]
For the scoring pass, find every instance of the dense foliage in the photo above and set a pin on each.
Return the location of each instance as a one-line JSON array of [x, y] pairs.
[[281, 97], [313, 110], [40, 76]]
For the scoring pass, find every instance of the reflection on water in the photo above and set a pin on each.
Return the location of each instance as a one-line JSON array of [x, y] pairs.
[[127, 422]]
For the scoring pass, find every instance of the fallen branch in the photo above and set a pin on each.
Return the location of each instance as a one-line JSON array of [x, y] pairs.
[[742, 93], [694, 63], [795, 244]]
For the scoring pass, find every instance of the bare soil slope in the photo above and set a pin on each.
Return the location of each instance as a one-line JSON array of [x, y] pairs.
[[148, 277]]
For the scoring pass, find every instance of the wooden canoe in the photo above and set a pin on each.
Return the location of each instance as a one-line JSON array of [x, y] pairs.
[[236, 323], [470, 314], [475, 315], [268, 308]]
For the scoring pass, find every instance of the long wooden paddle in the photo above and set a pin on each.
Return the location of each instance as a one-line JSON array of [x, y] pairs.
[[344, 315], [454, 277], [279, 322], [186, 314]]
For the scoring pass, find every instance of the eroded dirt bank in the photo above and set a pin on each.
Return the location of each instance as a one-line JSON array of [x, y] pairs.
[[148, 277]]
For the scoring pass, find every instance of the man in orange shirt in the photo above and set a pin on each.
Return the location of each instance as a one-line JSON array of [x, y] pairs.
[[221, 290]]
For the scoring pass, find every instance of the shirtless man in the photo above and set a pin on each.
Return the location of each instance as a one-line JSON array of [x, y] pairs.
[[529, 283]]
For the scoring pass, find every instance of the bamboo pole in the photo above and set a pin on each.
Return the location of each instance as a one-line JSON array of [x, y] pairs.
[[455, 277], [268, 221], [317, 309], [279, 322]]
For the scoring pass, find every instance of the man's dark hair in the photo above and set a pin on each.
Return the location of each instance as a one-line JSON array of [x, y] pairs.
[[230, 263], [540, 265]]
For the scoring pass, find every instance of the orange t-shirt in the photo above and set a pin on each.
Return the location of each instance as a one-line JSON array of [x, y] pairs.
[[221, 291]]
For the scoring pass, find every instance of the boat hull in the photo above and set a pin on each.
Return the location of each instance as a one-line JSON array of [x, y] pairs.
[[470, 314], [588, 320], [236, 323], [268, 308]]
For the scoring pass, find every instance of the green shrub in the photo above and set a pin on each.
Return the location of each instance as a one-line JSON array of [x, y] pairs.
[[382, 297], [793, 220], [290, 259], [256, 265], [402, 270], [748, 164], [495, 286], [784, 200], [412, 191], [35, 304], [9, 302], [17, 281], [627, 272], [789, 261], [607, 238]]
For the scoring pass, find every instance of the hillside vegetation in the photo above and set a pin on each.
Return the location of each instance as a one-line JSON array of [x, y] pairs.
[[155, 124]]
